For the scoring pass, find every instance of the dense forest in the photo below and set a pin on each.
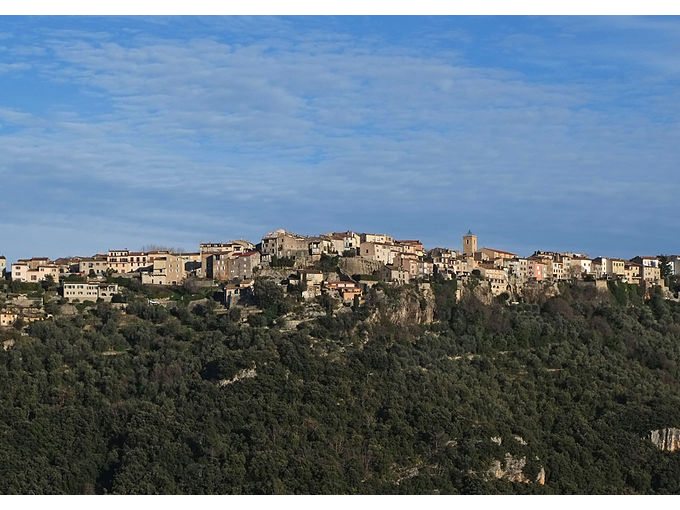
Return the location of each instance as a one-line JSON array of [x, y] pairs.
[[177, 398]]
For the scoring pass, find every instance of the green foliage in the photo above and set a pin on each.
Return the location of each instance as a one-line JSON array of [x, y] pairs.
[[327, 263], [33, 289], [269, 297], [146, 402], [282, 261], [445, 298], [75, 278]]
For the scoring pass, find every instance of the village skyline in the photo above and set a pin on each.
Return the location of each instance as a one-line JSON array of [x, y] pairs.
[[536, 132], [88, 249]]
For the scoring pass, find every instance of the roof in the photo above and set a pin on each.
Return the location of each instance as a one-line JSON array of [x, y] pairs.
[[500, 251], [246, 253]]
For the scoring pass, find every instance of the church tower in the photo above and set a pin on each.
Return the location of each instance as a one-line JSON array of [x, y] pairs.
[[469, 243]]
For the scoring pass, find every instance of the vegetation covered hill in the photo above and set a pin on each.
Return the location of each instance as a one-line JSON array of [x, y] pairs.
[[185, 399]]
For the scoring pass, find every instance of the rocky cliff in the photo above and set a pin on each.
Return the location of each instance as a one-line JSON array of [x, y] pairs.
[[512, 471], [667, 440], [358, 265], [404, 306]]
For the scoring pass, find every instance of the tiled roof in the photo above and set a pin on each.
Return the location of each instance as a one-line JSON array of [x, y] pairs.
[[500, 251]]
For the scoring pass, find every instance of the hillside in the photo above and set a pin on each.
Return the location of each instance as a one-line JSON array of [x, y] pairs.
[[410, 392]]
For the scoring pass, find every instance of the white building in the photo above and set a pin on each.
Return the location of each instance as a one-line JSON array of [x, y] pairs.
[[89, 291]]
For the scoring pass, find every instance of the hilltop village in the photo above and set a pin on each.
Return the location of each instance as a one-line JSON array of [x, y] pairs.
[[340, 264]]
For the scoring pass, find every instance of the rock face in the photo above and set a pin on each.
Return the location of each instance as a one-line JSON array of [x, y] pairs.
[[411, 306], [243, 374], [667, 440], [513, 471], [358, 265], [540, 477]]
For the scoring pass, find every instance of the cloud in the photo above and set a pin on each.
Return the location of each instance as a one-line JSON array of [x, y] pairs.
[[186, 130]]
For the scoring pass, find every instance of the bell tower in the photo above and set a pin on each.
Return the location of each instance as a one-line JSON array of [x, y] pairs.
[[469, 243]]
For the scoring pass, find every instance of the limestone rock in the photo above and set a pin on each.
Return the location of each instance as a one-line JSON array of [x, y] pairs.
[[540, 477], [667, 440], [243, 374], [512, 470], [409, 306]]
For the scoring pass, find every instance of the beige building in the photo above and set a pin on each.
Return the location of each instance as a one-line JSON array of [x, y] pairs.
[[650, 274], [34, 270], [443, 258], [632, 272], [97, 264], [557, 270], [345, 290], [616, 267], [395, 274], [469, 243], [3, 264], [234, 292], [282, 244], [90, 291], [581, 265], [319, 245], [411, 246], [230, 265], [491, 254], [599, 267], [207, 249], [496, 277], [382, 252], [519, 268], [166, 270], [311, 276], [407, 262], [376, 238], [344, 241], [126, 261]]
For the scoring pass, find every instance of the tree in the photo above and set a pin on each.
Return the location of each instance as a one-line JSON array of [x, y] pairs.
[[665, 268], [48, 283]]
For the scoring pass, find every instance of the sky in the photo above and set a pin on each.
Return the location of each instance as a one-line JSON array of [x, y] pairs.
[[551, 133]]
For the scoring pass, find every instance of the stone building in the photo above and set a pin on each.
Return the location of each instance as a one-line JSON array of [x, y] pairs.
[[282, 244], [469, 243], [90, 291]]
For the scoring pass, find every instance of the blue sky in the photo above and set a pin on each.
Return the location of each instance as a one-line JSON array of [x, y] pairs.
[[556, 133]]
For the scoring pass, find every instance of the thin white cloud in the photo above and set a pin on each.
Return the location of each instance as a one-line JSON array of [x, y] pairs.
[[207, 129]]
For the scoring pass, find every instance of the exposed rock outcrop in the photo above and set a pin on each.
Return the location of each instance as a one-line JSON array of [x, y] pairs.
[[243, 374], [359, 265], [667, 440], [408, 306], [512, 471]]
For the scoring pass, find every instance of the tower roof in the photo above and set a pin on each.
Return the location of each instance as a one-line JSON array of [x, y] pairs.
[[469, 232]]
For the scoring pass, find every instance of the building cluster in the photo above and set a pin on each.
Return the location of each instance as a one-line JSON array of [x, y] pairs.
[[378, 257]]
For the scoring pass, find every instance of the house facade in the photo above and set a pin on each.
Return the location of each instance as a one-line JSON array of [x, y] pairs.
[[90, 291]]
